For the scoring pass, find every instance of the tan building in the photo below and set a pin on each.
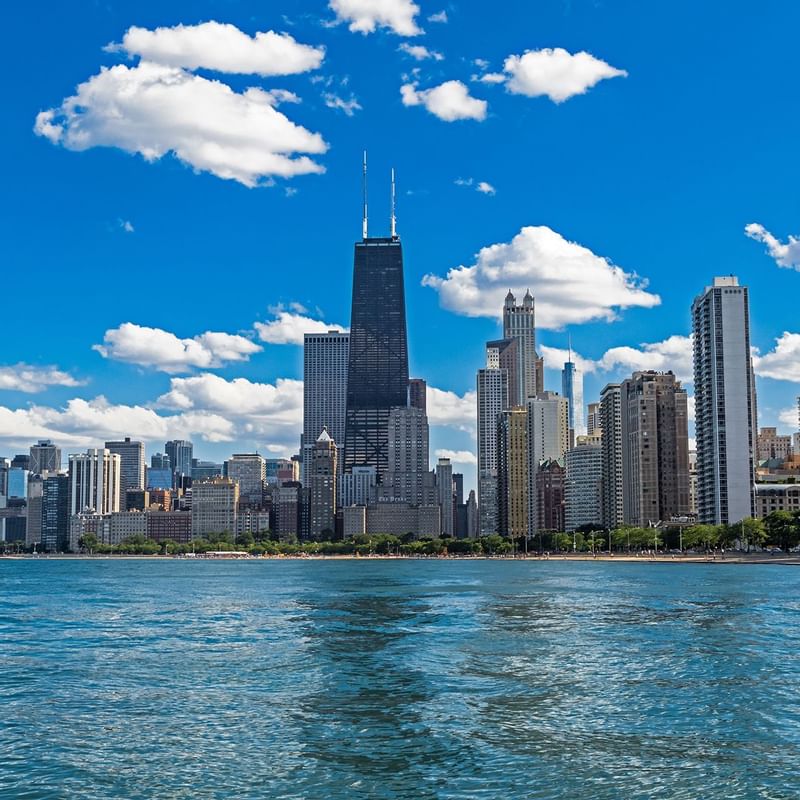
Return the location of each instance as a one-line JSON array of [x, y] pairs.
[[513, 481], [322, 486], [771, 446], [123, 524], [214, 506], [776, 497]]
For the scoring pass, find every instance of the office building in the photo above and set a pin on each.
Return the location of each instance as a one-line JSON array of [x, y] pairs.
[[613, 487], [322, 474], [281, 470], [160, 461], [504, 353], [655, 449], [572, 390], [94, 478], [358, 487], [519, 322], [206, 469], [473, 518], [132, 463], [33, 530], [492, 398], [45, 457], [583, 484], [179, 453], [513, 478], [325, 357], [55, 513], [418, 394], [445, 496], [772, 446], [17, 483], [163, 479], [214, 506], [249, 471], [549, 495], [377, 374], [593, 420], [725, 403], [408, 478]]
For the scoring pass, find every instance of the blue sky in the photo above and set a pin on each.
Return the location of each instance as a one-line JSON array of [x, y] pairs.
[[624, 177]]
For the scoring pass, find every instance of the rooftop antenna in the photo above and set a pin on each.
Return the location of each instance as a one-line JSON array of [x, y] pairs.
[[394, 218], [364, 220], [569, 345]]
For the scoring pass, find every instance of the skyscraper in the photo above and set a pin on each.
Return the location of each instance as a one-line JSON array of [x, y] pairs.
[[725, 403], [417, 394], [55, 513], [324, 390], [180, 456], [572, 389], [583, 489], [322, 487], [249, 471], [132, 463], [377, 372], [94, 482], [492, 396], [45, 457], [445, 498], [655, 448], [611, 425], [215, 506], [513, 480], [407, 477], [593, 419], [519, 322]]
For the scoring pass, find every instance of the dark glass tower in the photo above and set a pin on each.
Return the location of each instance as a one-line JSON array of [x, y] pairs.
[[377, 370]]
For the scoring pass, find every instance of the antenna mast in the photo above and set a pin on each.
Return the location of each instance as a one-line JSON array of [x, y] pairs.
[[364, 219], [394, 218]]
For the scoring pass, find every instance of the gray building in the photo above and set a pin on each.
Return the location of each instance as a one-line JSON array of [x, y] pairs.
[[45, 457], [584, 482], [179, 452], [408, 478], [519, 322], [132, 463], [445, 496], [613, 488], [249, 471], [322, 474]]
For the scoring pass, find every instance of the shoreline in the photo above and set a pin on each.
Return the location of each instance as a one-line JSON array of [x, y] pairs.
[[732, 558]]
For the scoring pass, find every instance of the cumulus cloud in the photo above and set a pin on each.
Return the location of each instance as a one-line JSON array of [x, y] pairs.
[[671, 354], [87, 423], [162, 350], [439, 16], [450, 101], [451, 409], [288, 328], [570, 283], [221, 47], [485, 188], [348, 106], [556, 73], [32, 379], [782, 363], [490, 77], [155, 109], [365, 16], [788, 417], [785, 254], [420, 52], [458, 456]]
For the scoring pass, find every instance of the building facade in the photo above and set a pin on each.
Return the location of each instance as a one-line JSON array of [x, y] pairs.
[[45, 457], [584, 482], [492, 398], [132, 464], [94, 481], [215, 504], [249, 471], [322, 487], [519, 322], [613, 507], [513, 476]]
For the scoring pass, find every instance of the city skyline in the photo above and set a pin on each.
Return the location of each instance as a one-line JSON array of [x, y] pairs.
[[206, 360]]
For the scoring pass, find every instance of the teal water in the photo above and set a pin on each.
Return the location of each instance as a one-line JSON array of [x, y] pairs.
[[385, 679]]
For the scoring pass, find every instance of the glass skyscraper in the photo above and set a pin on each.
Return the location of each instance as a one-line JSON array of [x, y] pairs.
[[377, 369]]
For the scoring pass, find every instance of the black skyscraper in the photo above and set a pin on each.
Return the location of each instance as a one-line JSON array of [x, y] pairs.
[[377, 374]]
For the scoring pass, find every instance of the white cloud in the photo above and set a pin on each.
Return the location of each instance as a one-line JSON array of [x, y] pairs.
[[785, 255], [162, 350], [152, 109], [289, 328], [481, 63], [570, 283], [458, 456], [782, 363], [365, 16], [556, 73], [32, 379], [490, 77], [452, 410], [126, 225], [221, 47], [450, 101], [420, 52], [672, 354], [87, 423], [463, 181], [348, 106], [439, 16], [485, 188], [788, 417]]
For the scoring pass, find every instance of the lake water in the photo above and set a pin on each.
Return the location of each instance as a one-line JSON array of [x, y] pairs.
[[398, 679]]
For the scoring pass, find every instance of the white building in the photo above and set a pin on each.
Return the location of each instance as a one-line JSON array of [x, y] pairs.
[[249, 470], [582, 491], [725, 403], [444, 492], [613, 506], [358, 488], [324, 390], [94, 481], [215, 504]]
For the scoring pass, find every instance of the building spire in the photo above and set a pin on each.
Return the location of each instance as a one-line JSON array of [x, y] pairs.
[[364, 218], [569, 345], [394, 217]]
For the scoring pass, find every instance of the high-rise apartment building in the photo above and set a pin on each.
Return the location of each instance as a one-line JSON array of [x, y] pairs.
[[418, 394], [519, 322], [179, 453], [492, 398], [572, 389], [584, 481], [549, 495], [45, 457], [249, 471], [504, 353], [611, 425], [132, 469], [94, 482], [772, 446], [513, 476], [655, 448], [725, 403], [377, 373], [357, 487], [55, 513], [593, 419], [215, 504], [322, 487], [548, 440], [33, 530], [407, 477], [445, 496], [324, 390]]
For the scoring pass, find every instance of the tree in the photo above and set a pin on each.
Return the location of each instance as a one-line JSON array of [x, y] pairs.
[[88, 541], [783, 529]]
